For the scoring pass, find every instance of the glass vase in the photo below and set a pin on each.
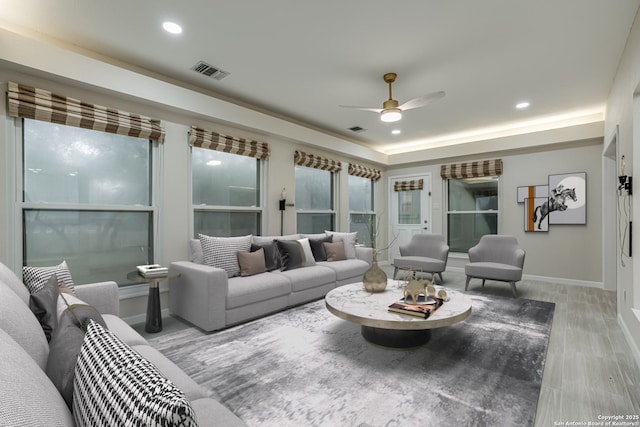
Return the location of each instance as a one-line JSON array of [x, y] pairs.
[[375, 279]]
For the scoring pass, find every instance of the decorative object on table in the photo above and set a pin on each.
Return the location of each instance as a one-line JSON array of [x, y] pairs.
[[442, 294], [375, 279], [405, 274], [422, 308], [431, 290], [152, 270], [413, 289]]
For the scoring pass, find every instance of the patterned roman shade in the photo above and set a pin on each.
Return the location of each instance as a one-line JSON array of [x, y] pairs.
[[317, 162], [364, 172], [204, 138], [38, 104], [414, 184], [471, 169]]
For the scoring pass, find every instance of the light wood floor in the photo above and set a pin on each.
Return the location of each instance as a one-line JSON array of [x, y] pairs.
[[589, 370]]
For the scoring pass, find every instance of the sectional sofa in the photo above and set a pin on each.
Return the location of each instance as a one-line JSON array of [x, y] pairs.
[[29, 396], [212, 299]]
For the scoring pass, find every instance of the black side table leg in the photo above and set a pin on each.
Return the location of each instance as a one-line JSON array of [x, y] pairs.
[[154, 316]]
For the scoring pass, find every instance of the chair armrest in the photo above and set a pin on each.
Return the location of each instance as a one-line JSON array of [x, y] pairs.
[[365, 254], [474, 253], [103, 296], [199, 294], [518, 257]]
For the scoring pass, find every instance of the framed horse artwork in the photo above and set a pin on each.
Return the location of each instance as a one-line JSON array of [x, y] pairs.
[[567, 202]]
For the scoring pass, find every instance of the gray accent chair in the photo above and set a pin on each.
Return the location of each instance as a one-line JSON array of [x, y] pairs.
[[496, 257], [427, 252]]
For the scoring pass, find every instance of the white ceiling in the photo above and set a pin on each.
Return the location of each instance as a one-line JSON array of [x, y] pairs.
[[302, 59]]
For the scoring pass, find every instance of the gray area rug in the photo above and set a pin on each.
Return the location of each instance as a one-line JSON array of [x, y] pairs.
[[306, 367]]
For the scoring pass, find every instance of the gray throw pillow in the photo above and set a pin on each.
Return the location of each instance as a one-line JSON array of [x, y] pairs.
[[335, 251], [65, 345], [44, 303], [270, 254], [291, 255], [318, 250], [251, 262]]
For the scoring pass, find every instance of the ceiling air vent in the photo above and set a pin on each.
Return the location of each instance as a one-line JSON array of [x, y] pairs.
[[356, 129], [209, 70]]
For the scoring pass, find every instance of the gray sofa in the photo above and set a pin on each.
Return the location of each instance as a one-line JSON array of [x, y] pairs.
[[206, 297], [29, 398]]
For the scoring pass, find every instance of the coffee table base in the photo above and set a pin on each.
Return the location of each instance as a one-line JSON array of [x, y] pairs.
[[396, 338]]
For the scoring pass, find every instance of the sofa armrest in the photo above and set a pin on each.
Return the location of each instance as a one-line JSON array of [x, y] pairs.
[[365, 254], [103, 296], [199, 294]]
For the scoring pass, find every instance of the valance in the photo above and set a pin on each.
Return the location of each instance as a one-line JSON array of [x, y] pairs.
[[203, 138], [364, 172], [471, 169], [38, 104], [317, 162], [414, 184]]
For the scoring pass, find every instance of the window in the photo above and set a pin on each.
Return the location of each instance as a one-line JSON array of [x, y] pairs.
[[314, 200], [361, 215], [87, 199], [225, 193], [472, 211]]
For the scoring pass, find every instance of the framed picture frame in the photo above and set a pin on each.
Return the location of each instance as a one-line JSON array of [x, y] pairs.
[[567, 198]]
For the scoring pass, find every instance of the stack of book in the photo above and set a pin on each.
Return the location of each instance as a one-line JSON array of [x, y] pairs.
[[422, 308], [153, 270]]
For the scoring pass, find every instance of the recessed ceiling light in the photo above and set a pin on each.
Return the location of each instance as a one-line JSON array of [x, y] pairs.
[[172, 27], [396, 131], [522, 105]]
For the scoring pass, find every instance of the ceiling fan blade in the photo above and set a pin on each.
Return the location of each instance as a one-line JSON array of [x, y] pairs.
[[421, 101], [375, 110]]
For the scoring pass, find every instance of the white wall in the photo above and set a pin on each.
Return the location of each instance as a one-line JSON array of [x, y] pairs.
[[622, 112], [569, 252]]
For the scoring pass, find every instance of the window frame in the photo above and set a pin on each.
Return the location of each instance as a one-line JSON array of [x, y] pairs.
[[334, 197], [262, 190], [371, 213], [447, 212], [155, 159]]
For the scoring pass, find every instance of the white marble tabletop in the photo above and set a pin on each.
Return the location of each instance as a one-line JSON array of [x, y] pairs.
[[355, 304]]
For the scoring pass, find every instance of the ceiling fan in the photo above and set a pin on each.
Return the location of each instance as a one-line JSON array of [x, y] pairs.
[[391, 111]]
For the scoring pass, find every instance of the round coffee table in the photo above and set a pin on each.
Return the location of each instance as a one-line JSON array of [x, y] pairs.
[[383, 327]]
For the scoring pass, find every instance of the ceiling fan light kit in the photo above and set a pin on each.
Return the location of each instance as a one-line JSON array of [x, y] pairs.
[[391, 115], [391, 111]]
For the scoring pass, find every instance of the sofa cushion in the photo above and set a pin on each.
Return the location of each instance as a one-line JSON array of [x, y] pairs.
[[65, 345], [19, 321], [427, 264], [348, 268], [270, 254], [291, 255], [251, 262], [12, 281], [44, 305], [252, 289], [318, 250], [28, 397], [221, 252], [36, 277], [114, 385], [349, 240], [309, 277], [212, 413], [259, 240], [195, 251], [123, 331], [334, 251]]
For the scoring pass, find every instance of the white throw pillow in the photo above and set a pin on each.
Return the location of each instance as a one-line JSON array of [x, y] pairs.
[[349, 240], [306, 250]]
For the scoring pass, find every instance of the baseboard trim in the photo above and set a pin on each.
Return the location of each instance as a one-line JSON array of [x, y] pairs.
[[635, 351], [558, 280]]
